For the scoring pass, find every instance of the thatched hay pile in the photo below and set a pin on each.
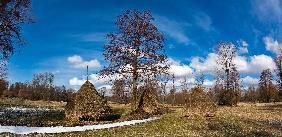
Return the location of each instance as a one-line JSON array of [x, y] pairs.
[[147, 103], [149, 100], [87, 104], [199, 104]]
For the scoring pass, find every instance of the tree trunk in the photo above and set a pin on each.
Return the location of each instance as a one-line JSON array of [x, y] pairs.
[[134, 81]]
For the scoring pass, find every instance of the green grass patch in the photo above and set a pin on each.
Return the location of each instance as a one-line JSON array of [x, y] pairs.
[[14, 102]]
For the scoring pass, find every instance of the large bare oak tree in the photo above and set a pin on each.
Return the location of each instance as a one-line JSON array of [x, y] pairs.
[[136, 50]]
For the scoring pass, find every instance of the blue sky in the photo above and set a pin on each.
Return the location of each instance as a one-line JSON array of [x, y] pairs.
[[68, 34]]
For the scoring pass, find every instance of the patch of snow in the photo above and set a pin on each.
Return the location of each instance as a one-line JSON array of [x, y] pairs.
[[27, 109], [60, 129]]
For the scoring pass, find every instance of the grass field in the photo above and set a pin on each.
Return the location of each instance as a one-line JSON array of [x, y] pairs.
[[243, 120], [13, 102]]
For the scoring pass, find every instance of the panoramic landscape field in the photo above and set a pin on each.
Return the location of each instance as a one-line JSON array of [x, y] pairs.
[[246, 119], [120, 68]]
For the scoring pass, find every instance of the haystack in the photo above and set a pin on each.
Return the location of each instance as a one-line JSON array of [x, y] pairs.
[[88, 105], [147, 103], [199, 104]]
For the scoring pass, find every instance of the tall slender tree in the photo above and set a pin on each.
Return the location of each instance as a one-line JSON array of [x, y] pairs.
[[227, 75], [136, 51]]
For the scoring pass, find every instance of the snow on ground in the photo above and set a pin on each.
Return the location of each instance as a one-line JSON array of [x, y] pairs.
[[23, 109], [60, 129]]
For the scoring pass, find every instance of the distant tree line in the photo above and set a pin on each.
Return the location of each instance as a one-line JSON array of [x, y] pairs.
[[40, 88], [266, 90]]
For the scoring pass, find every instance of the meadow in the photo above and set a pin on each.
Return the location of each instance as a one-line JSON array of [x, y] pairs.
[[246, 119]]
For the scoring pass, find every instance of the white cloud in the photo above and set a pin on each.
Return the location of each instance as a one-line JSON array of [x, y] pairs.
[[272, 45], [254, 64], [75, 59], [208, 83], [242, 63], [204, 65], [249, 81], [178, 69], [173, 29], [77, 62], [245, 64], [93, 78], [76, 82], [243, 47], [261, 62]]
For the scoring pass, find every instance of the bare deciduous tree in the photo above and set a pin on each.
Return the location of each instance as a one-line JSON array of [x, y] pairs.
[[3, 86], [227, 77], [136, 51], [267, 90], [251, 94], [119, 91], [199, 79], [42, 83], [13, 13], [278, 62]]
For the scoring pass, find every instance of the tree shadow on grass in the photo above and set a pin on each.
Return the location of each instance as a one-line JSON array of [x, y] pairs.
[[273, 123], [275, 107], [234, 130]]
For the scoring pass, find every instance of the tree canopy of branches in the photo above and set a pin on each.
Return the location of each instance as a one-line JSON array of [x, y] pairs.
[[42, 83], [13, 13], [251, 95], [199, 79], [267, 90], [3, 86], [136, 51], [119, 91], [227, 78]]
